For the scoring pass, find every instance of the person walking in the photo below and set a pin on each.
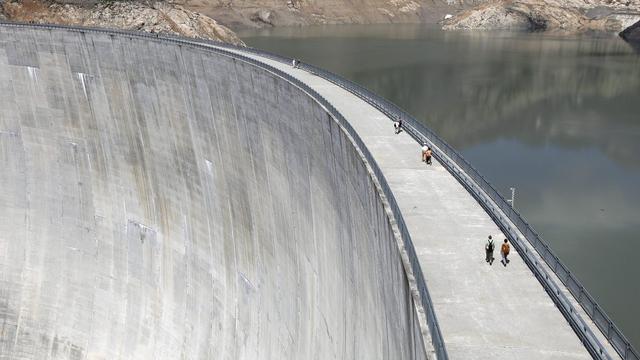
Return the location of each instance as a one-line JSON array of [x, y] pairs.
[[429, 154], [489, 250], [425, 148], [398, 125], [505, 252]]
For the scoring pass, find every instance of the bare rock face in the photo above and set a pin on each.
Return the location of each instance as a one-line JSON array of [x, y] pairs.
[[632, 35], [264, 16], [487, 16], [239, 14], [261, 13], [554, 15], [159, 17]]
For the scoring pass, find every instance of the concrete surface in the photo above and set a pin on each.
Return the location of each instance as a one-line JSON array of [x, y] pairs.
[[161, 202], [485, 312]]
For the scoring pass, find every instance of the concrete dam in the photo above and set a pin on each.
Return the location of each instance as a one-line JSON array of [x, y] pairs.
[[162, 202], [169, 199]]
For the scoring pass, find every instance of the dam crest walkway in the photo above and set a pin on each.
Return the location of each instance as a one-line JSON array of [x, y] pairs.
[[483, 311]]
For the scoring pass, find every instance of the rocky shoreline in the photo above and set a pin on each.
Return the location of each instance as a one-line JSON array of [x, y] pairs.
[[557, 16], [153, 17], [560, 16], [205, 18], [242, 14]]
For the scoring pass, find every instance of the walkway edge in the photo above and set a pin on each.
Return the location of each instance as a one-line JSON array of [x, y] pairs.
[[566, 295]]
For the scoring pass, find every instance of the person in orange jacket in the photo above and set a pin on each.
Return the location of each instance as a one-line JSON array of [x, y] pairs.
[[505, 252]]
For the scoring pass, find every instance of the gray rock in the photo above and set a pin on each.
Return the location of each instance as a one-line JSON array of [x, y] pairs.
[[86, 3], [492, 16], [632, 35], [598, 12], [570, 16], [264, 16]]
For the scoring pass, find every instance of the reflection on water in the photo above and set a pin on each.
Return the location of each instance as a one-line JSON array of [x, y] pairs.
[[556, 117]]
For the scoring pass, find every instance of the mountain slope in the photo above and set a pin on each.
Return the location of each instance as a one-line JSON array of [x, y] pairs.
[[157, 17]]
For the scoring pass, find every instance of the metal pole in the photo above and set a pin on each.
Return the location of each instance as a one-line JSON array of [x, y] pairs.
[[513, 196]]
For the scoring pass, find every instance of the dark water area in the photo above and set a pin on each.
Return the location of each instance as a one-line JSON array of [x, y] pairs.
[[558, 118]]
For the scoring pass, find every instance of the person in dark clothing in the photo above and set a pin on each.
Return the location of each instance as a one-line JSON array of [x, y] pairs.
[[398, 126], [489, 247]]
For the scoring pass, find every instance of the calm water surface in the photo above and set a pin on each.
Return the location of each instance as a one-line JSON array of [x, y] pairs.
[[558, 118]]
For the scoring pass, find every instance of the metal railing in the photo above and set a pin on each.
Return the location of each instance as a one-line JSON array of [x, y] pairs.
[[510, 221], [505, 216], [232, 51]]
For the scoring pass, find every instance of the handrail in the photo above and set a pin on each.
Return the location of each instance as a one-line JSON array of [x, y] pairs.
[[231, 51], [506, 217]]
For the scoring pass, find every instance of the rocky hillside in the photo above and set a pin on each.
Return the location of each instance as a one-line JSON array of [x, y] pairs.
[[551, 15], [263, 13], [156, 17], [195, 18]]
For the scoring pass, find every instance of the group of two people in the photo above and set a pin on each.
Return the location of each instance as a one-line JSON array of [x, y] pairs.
[[504, 250]]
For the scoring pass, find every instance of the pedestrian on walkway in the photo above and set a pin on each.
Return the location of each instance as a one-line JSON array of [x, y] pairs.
[[505, 252], [398, 125], [489, 250], [425, 148], [295, 63], [429, 154]]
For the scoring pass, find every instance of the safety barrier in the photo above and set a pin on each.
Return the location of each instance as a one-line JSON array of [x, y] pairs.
[[507, 218], [511, 222]]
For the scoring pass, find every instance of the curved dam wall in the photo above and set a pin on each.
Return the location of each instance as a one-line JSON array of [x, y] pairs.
[[161, 202]]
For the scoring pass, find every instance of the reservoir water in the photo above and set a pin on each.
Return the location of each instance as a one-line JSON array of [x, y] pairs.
[[556, 117]]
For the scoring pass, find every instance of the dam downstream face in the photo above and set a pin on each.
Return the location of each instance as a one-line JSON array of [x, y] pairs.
[[162, 201]]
